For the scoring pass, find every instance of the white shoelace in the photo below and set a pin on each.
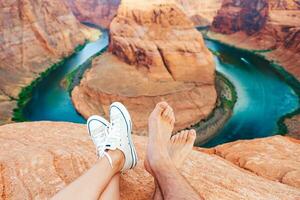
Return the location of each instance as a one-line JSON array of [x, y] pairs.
[[114, 136], [99, 136]]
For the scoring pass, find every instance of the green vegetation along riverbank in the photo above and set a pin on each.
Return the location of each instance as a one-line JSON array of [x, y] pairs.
[[26, 93], [73, 78], [227, 97]]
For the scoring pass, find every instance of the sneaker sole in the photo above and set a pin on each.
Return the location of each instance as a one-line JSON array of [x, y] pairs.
[[127, 118]]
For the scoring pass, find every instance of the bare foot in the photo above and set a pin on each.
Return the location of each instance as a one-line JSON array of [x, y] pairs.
[[161, 124], [179, 147]]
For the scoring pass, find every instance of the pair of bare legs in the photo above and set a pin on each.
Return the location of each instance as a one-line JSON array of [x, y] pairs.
[[164, 159]]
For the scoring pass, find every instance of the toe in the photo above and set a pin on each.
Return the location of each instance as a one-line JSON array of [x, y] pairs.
[[174, 138], [159, 109], [191, 136], [177, 137], [185, 136], [166, 113], [181, 137]]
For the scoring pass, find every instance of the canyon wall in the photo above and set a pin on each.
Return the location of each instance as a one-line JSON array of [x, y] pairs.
[[155, 54], [272, 28], [34, 34], [102, 12], [98, 12], [58, 153], [249, 16], [201, 12]]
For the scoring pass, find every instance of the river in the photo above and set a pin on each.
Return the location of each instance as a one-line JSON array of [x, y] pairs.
[[263, 97]]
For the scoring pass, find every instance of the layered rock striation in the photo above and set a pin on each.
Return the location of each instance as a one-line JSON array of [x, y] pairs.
[[57, 153], [155, 54], [273, 29], [98, 12], [241, 15], [201, 12], [34, 34]]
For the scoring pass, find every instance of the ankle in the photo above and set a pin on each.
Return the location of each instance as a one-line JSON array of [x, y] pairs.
[[118, 159], [160, 163]]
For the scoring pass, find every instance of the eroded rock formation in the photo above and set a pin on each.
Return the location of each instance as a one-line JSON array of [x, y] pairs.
[[249, 16], [39, 159], [201, 12], [278, 35], [34, 34], [155, 54], [99, 12], [278, 39]]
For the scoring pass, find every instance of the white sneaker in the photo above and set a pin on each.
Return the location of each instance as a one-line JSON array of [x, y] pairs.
[[120, 135], [98, 128]]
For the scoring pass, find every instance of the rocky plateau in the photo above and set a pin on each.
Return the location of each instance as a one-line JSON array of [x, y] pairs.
[[40, 158]]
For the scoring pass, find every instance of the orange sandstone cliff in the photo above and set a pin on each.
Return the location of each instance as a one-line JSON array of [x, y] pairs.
[[34, 34], [269, 25], [102, 12], [39, 159], [201, 12], [154, 54], [98, 12]]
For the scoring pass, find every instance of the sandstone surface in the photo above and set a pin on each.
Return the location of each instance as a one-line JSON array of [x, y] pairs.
[[34, 34], [261, 157], [98, 12], [39, 159], [155, 54], [293, 125], [201, 12]]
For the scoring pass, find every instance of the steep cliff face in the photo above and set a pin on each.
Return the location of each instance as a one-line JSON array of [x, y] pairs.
[[34, 34], [201, 12], [99, 12], [155, 54], [284, 4], [277, 30], [241, 15], [58, 153]]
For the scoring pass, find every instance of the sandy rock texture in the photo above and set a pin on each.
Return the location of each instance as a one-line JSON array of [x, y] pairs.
[[201, 12], [293, 125], [34, 34], [39, 159], [98, 12], [155, 54], [278, 35], [241, 15], [253, 154], [102, 12]]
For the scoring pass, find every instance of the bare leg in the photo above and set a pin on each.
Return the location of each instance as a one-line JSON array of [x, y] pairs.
[[92, 184], [179, 147], [112, 191], [172, 184]]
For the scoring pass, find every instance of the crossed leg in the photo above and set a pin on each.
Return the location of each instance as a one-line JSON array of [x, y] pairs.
[[94, 182], [170, 183]]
